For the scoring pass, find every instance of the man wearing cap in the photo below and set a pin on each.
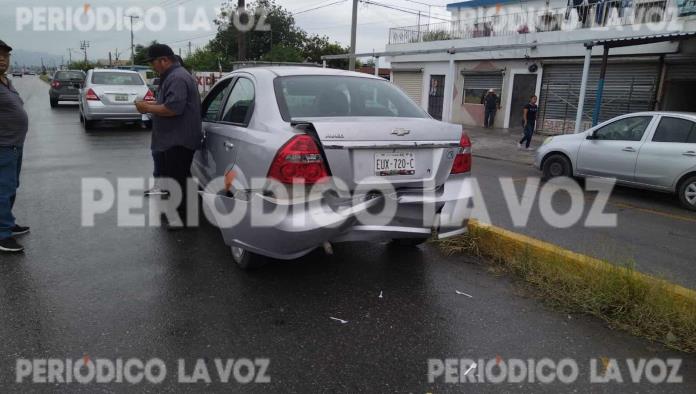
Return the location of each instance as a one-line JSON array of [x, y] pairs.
[[176, 119], [14, 124], [491, 104]]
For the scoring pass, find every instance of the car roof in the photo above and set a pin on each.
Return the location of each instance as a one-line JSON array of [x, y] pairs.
[[284, 71], [114, 70], [651, 113]]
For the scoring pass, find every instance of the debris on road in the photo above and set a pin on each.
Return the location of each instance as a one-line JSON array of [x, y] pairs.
[[464, 294], [338, 320], [380, 294]]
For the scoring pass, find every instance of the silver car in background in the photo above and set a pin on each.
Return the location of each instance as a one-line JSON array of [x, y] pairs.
[[648, 150], [298, 125], [109, 95]]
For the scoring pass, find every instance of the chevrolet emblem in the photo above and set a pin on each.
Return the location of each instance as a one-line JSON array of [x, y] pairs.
[[401, 132]]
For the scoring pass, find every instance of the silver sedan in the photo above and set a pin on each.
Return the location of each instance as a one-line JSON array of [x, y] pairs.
[[648, 150], [109, 95], [306, 130]]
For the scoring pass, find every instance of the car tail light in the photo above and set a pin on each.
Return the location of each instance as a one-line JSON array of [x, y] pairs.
[[298, 161], [462, 162], [55, 84], [149, 96], [91, 96]]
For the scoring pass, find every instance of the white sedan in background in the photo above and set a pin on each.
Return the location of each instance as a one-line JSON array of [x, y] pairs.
[[648, 150]]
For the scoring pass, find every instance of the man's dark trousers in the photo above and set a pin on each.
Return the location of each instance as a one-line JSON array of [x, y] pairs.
[[10, 167], [528, 133], [489, 117], [175, 163]]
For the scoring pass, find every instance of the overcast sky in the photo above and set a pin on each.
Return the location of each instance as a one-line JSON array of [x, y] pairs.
[[332, 21]]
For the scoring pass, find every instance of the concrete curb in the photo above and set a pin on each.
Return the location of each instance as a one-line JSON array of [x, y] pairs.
[[506, 245]]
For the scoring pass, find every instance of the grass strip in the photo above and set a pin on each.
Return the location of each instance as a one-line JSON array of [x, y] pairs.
[[626, 299]]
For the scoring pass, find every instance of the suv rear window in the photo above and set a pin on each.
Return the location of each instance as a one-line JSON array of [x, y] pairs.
[[112, 78], [309, 96], [69, 76]]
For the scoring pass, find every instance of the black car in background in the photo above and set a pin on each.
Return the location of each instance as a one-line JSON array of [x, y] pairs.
[[65, 86]]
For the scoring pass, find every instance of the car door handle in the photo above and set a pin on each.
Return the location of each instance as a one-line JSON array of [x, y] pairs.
[[228, 145], [628, 149], [689, 153]]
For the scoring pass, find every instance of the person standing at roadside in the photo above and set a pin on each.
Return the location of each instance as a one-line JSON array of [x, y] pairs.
[[529, 113], [491, 105], [176, 119], [14, 124]]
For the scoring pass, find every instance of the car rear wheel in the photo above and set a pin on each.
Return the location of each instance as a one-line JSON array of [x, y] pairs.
[[88, 124], [247, 260], [54, 103], [408, 242], [687, 193], [556, 166]]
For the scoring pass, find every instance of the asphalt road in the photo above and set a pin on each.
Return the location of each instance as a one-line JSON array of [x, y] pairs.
[[108, 292], [653, 232]]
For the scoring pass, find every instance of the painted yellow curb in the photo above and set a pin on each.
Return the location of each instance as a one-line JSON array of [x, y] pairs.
[[504, 244]]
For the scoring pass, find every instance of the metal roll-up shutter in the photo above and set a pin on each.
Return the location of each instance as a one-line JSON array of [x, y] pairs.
[[478, 80], [411, 83], [681, 72], [628, 87]]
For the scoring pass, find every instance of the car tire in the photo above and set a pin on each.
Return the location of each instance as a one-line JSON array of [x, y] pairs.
[[247, 260], [555, 166], [408, 242], [88, 124], [54, 103], [687, 193]]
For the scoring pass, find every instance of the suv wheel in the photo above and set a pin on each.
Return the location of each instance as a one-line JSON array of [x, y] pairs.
[[556, 166], [687, 193], [54, 103], [247, 260]]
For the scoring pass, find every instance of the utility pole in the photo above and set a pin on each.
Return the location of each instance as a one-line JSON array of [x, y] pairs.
[[84, 45], [116, 55], [353, 33], [419, 28], [69, 56], [132, 38], [189, 46], [111, 64], [241, 38]]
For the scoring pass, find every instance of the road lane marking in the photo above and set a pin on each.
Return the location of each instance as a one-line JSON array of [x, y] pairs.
[[654, 212]]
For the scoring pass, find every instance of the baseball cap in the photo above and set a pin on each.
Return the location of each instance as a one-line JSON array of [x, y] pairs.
[[158, 50], [5, 46]]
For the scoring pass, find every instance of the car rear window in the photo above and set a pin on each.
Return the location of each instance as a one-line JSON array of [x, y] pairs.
[[69, 75], [308, 96], [112, 78]]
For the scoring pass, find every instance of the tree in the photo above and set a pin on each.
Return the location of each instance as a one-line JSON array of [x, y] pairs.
[[282, 53], [203, 60]]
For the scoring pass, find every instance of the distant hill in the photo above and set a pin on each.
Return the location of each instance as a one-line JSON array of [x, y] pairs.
[[33, 59]]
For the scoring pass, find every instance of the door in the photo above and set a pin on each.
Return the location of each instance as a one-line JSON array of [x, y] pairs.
[[224, 139], [523, 88], [203, 163], [436, 95], [612, 150], [669, 154]]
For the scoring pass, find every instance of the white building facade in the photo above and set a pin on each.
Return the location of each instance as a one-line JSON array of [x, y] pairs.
[[537, 48]]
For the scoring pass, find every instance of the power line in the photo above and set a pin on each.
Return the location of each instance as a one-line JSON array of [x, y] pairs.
[[319, 7], [400, 9]]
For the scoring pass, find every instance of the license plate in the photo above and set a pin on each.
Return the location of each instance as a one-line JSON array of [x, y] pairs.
[[121, 97], [395, 163]]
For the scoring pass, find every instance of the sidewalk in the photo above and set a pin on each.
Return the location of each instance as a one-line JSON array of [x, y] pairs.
[[501, 144]]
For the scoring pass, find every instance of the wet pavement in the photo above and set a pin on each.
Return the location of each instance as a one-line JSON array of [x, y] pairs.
[[106, 292]]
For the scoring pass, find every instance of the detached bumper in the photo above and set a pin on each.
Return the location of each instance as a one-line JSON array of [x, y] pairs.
[[290, 230]]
